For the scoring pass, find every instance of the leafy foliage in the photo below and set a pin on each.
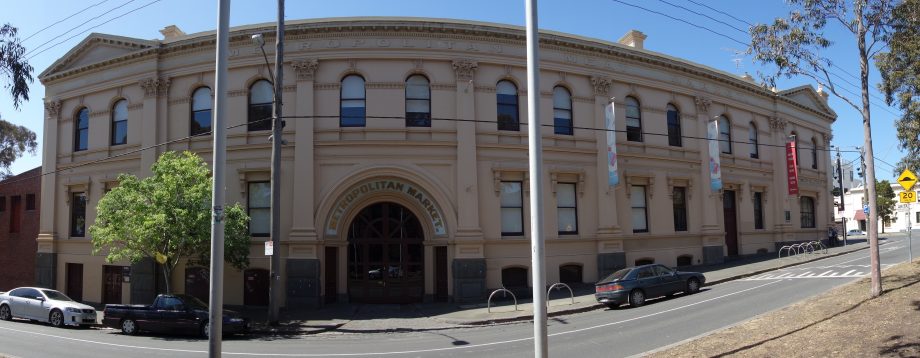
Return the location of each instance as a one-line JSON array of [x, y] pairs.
[[14, 140], [900, 69], [884, 203], [167, 215]]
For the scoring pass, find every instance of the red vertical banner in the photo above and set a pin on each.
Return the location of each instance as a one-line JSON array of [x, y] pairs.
[[792, 168]]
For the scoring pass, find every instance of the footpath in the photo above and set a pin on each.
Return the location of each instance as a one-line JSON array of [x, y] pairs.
[[345, 318]]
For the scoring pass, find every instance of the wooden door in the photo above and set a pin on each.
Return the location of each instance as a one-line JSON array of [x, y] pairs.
[[255, 287], [731, 222], [74, 275], [440, 273], [331, 274], [111, 289]]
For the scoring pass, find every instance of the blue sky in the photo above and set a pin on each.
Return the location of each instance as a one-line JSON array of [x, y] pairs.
[[603, 19]]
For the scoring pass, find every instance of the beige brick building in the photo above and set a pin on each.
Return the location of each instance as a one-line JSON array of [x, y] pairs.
[[404, 175]]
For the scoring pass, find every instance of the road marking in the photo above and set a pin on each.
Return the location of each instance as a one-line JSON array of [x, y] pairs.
[[399, 352]]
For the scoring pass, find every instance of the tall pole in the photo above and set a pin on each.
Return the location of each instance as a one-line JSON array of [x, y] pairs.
[[541, 349], [276, 171], [842, 207], [216, 304], [910, 248]]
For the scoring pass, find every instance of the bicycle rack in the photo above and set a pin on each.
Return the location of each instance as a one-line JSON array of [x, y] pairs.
[[809, 247], [489, 302], [554, 286]]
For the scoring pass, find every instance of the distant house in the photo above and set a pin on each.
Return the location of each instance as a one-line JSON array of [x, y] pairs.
[[19, 212]]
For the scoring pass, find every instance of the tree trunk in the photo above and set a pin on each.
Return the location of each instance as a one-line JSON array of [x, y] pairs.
[[167, 275]]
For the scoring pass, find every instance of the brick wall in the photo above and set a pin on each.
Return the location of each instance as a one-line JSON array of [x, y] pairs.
[[17, 249]]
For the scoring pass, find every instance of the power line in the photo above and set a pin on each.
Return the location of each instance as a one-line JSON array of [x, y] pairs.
[[681, 20], [706, 16], [722, 12], [64, 19], [76, 27]]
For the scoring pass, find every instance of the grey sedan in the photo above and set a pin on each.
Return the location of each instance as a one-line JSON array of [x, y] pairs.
[[45, 305], [636, 284]]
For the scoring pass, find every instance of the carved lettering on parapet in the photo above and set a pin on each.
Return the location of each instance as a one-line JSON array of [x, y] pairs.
[[777, 124], [53, 109], [305, 68], [702, 104], [601, 85], [465, 69], [155, 87]]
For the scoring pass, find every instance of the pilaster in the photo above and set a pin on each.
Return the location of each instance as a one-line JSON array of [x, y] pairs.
[[152, 130], [607, 216], [780, 196], [467, 175], [303, 215]]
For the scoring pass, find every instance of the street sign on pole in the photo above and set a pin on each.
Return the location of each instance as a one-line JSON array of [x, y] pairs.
[[866, 208], [269, 248], [908, 196], [907, 180]]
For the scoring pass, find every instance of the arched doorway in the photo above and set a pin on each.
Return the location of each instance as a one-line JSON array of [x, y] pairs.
[[386, 255]]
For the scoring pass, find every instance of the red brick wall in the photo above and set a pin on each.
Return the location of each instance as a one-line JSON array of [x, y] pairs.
[[17, 250]]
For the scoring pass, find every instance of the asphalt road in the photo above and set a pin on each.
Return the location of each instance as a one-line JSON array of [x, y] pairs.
[[602, 333]]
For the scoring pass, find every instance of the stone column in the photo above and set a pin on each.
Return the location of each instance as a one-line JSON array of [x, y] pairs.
[[46, 255], [710, 203], [151, 129], [469, 264], [610, 254], [302, 264]]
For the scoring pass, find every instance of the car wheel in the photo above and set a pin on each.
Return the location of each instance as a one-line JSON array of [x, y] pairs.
[[693, 286], [5, 313], [56, 318], [129, 327], [636, 298], [206, 329]]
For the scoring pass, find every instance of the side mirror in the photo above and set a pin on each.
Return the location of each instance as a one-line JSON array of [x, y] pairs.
[[40, 298]]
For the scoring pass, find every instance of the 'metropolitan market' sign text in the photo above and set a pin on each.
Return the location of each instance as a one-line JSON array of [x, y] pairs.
[[386, 186]]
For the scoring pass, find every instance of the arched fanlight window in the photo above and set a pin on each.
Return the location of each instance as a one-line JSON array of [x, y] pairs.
[[725, 135], [633, 120], [260, 106], [674, 132], [418, 101], [201, 111], [120, 122], [507, 101], [352, 109], [562, 111], [752, 137]]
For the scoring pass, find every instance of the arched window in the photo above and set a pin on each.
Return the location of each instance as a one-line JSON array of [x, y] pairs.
[[674, 135], [353, 108], [562, 111], [807, 207], [685, 260], [201, 111], [418, 101], [507, 100], [260, 106], [814, 153], [633, 120], [120, 122], [81, 131], [752, 137], [725, 135]]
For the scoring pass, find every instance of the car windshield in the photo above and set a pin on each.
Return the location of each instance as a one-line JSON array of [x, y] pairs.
[[194, 303], [619, 275], [55, 295]]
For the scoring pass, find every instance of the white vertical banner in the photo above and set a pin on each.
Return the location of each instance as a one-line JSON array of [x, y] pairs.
[[715, 167], [610, 124]]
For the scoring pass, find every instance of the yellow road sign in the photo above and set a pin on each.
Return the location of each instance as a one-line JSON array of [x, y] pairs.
[[907, 179], [908, 196]]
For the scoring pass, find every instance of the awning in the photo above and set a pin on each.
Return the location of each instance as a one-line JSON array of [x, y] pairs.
[[860, 215]]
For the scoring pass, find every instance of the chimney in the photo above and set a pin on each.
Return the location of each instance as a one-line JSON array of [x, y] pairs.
[[172, 31], [748, 77], [822, 93], [633, 38]]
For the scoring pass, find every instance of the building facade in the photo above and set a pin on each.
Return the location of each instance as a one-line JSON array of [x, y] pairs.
[[19, 220], [404, 175], [905, 215]]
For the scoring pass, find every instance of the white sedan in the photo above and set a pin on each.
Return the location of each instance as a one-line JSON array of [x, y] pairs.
[[45, 305]]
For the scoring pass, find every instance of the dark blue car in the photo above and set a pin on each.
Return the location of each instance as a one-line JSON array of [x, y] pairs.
[[634, 285]]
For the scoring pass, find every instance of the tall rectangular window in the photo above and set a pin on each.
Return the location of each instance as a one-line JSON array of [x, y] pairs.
[[15, 213], [917, 220], [807, 207], [30, 201], [506, 98], [418, 101], [758, 210], [639, 208], [566, 208], [81, 131], [512, 203], [2, 204], [679, 195], [259, 208], [674, 134], [78, 214], [120, 122]]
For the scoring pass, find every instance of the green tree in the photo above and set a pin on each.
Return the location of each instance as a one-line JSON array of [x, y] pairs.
[[795, 46], [14, 140], [167, 217], [884, 204], [900, 69]]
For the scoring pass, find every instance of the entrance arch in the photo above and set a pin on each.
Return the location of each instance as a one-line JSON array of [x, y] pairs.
[[386, 262]]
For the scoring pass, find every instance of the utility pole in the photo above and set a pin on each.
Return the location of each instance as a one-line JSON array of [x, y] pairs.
[[541, 348], [216, 304], [277, 125], [842, 208]]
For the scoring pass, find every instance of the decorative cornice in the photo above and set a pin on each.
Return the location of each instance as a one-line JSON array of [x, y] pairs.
[[136, 106], [601, 85], [181, 100], [777, 124], [465, 69], [289, 88], [582, 99], [52, 109], [305, 68], [487, 89], [385, 85], [155, 87], [237, 93], [702, 104], [99, 114], [326, 86], [444, 86]]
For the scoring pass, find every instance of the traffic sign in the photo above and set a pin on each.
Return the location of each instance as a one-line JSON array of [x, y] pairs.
[[866, 208], [908, 196], [269, 248], [907, 179]]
